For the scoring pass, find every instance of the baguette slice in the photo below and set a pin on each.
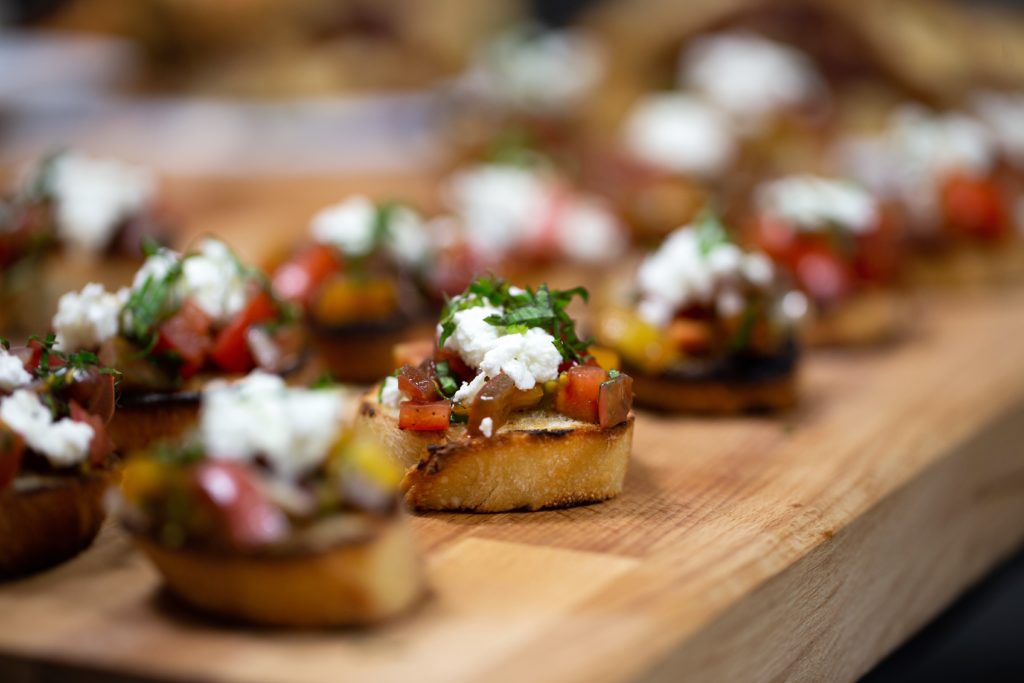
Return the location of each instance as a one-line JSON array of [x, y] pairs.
[[46, 520], [362, 353], [538, 459], [143, 419], [870, 318], [355, 582]]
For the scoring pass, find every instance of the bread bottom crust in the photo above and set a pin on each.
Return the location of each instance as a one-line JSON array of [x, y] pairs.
[[363, 354], [968, 266], [714, 396], [44, 525], [867, 319], [137, 426], [537, 460], [355, 583]]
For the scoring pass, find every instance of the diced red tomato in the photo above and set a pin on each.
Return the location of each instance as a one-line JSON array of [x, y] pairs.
[[417, 383], [231, 348], [297, 279], [425, 417], [823, 275], [975, 207], [495, 401], [101, 446], [578, 392], [245, 515], [12, 447], [187, 334], [32, 354], [95, 393], [881, 252], [614, 401]]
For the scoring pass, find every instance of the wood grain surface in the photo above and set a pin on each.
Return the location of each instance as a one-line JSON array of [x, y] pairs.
[[803, 547]]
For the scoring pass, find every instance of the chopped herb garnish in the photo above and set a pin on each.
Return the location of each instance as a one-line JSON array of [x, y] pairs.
[[710, 232], [326, 380], [613, 374], [149, 305], [522, 309], [447, 385], [457, 418]]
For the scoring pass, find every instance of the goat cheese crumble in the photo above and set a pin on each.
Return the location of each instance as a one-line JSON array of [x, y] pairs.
[[538, 70], [293, 429], [750, 77], [683, 272], [1003, 113], [390, 394], [505, 207], [63, 442], [487, 427], [86, 319], [93, 196], [12, 371], [810, 203], [679, 133], [528, 358], [352, 227]]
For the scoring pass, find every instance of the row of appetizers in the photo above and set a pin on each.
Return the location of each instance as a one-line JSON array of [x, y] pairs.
[[264, 501]]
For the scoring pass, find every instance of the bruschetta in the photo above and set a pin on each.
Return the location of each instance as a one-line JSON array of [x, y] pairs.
[[509, 411], [274, 511]]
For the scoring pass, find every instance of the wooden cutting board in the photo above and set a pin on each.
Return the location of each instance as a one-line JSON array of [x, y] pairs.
[[804, 547]]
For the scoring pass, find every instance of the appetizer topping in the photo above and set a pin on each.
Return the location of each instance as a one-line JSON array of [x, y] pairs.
[[86, 319], [536, 70], [357, 227], [63, 441], [507, 208], [12, 371], [697, 297], [681, 134], [270, 467], [1003, 112], [181, 315], [750, 77], [815, 204], [699, 265], [501, 349], [291, 429], [92, 197]]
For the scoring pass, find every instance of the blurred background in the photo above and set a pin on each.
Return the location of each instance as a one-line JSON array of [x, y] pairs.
[[257, 113]]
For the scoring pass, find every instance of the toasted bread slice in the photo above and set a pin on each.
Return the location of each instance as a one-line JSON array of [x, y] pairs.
[[362, 353], [714, 396], [538, 459], [45, 520], [867, 319], [355, 582], [143, 419]]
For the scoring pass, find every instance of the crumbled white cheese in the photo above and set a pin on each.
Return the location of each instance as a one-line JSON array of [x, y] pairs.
[[63, 442], [86, 319], [390, 395], [93, 196], [813, 204], [750, 77], [926, 148], [468, 391], [498, 205], [504, 207], [155, 267], [487, 427], [215, 280], [589, 232], [12, 371], [527, 358], [473, 337], [680, 133], [1003, 113], [349, 226], [536, 70], [407, 237], [293, 429], [682, 272]]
